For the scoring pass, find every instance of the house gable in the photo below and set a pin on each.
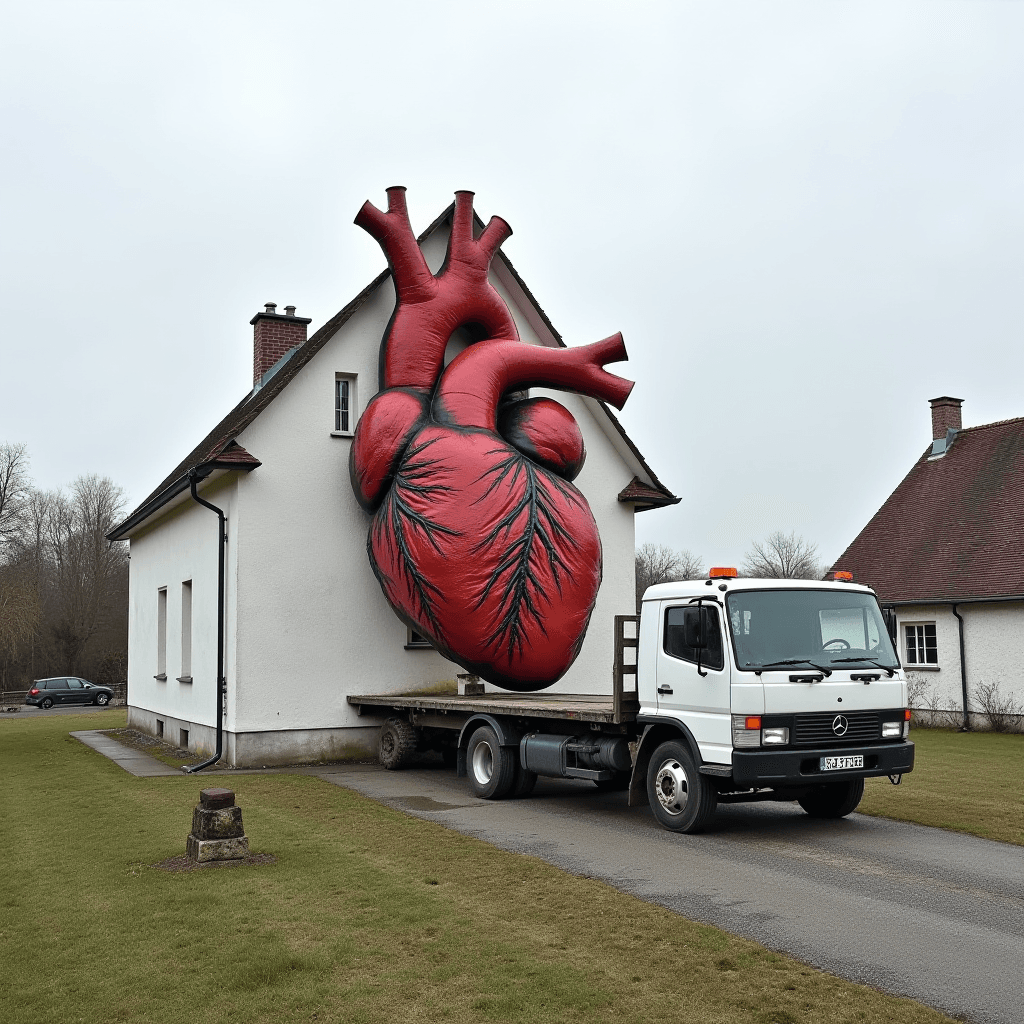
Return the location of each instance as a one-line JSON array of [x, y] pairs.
[[951, 531], [644, 491]]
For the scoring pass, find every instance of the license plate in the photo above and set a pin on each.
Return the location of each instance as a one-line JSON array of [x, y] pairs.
[[835, 764]]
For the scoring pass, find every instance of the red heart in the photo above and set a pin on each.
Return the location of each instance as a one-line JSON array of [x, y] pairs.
[[478, 539]]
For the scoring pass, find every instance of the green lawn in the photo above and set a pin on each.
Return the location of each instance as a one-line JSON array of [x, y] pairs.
[[966, 781], [367, 915]]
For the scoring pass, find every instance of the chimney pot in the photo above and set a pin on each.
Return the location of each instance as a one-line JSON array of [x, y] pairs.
[[945, 415], [271, 307], [289, 311]]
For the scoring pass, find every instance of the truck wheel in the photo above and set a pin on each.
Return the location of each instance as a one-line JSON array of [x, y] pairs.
[[524, 781], [834, 800], [682, 799], [397, 744], [492, 768]]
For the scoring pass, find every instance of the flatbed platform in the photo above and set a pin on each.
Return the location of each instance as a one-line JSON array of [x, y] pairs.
[[576, 706]]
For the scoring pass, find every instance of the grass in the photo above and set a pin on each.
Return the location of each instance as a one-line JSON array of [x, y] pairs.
[[367, 915], [969, 782]]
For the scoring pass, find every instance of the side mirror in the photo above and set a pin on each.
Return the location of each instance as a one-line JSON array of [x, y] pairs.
[[694, 633]]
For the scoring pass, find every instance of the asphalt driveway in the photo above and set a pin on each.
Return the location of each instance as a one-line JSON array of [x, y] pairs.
[[921, 912]]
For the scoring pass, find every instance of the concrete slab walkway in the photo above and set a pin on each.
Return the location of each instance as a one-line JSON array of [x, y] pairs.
[[133, 761]]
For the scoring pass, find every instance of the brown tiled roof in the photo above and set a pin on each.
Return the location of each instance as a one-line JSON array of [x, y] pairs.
[[954, 528], [222, 436]]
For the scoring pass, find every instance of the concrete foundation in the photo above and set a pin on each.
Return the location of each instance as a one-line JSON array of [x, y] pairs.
[[268, 748]]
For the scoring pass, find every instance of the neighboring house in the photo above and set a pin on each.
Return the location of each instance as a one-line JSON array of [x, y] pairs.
[[946, 552], [306, 622]]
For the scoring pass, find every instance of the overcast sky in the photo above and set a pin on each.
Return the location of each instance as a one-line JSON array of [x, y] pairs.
[[805, 217]]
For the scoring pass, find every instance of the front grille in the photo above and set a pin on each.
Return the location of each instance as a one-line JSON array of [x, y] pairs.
[[816, 730]]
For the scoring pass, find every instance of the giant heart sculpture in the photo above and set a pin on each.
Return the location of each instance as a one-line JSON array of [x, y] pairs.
[[479, 540]]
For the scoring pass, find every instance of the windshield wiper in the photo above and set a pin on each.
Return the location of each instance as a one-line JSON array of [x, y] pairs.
[[868, 661], [795, 661]]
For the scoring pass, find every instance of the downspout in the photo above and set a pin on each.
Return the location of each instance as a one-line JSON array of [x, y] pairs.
[[194, 477], [963, 671]]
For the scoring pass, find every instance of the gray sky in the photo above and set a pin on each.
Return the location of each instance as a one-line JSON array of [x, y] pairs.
[[805, 218]]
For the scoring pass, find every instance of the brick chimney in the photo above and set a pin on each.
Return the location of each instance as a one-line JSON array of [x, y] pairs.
[[274, 336], [945, 415]]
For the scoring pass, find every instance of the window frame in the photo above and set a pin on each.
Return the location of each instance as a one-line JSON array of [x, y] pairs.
[[705, 608], [341, 428], [919, 666]]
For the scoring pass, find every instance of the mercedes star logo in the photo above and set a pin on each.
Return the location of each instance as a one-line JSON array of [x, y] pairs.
[[840, 725]]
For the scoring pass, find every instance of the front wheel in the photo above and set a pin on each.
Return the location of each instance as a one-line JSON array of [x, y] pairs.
[[492, 767], [46, 703], [102, 700], [833, 800], [682, 799]]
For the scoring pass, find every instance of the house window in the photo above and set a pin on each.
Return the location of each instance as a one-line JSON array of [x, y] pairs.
[[186, 632], [921, 644], [161, 634], [416, 642], [344, 404]]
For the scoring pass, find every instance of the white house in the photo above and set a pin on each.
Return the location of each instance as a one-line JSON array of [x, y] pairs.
[[945, 552], [305, 620]]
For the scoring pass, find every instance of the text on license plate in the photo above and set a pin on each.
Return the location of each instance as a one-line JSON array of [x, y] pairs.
[[834, 764]]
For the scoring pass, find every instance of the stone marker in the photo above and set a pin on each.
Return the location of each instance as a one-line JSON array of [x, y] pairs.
[[217, 835]]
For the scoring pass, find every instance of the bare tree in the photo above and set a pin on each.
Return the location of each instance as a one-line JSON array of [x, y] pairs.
[[14, 489], [88, 570], [782, 556], [656, 563]]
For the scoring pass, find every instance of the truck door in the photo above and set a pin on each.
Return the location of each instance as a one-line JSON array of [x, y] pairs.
[[693, 683]]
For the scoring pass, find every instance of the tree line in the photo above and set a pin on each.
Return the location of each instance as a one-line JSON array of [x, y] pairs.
[[63, 585], [779, 556]]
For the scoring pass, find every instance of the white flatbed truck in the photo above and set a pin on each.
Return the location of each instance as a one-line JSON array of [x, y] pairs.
[[744, 690]]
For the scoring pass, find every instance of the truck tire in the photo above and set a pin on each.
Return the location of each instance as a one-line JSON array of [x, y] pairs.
[[682, 799], [491, 767], [833, 800], [397, 744], [524, 781]]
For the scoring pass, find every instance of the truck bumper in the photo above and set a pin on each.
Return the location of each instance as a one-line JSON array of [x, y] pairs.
[[800, 767]]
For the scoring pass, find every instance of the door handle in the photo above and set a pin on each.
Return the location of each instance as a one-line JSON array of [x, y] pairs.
[[664, 689]]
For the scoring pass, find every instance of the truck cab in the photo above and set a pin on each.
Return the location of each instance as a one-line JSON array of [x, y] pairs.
[[755, 689]]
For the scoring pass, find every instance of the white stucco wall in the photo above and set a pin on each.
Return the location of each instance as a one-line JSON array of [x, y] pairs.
[[991, 649], [180, 546]]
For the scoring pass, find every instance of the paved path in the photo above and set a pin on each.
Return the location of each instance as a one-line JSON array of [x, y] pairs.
[[913, 910], [31, 711], [917, 911], [129, 759]]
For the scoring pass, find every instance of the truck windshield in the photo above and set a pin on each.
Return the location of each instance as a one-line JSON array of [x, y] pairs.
[[808, 628]]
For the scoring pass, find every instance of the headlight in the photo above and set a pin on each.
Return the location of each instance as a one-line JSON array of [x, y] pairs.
[[746, 730], [892, 730], [775, 737]]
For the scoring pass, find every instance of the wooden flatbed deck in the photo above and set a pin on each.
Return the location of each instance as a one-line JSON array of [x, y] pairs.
[[447, 710], [579, 707]]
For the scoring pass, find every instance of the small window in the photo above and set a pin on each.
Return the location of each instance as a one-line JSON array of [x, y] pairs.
[[921, 644], [186, 630], [344, 404], [159, 729], [416, 642], [183, 739], [161, 633], [712, 656]]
